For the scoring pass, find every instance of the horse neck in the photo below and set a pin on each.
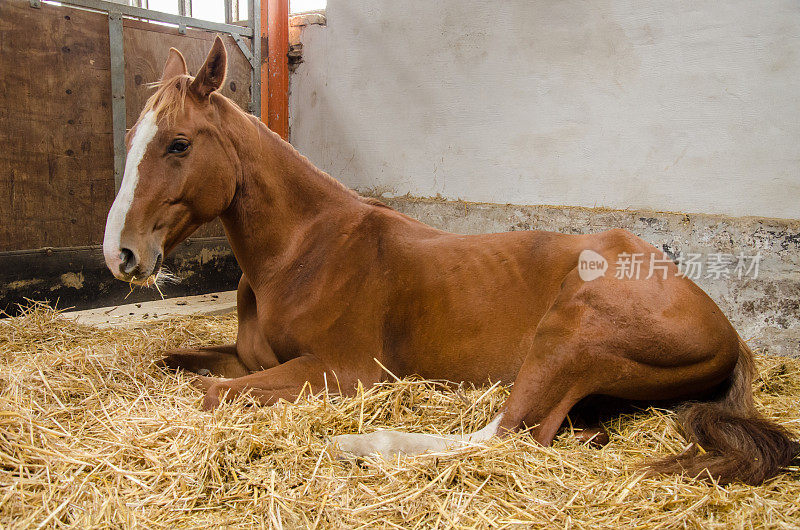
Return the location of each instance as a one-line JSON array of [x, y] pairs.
[[279, 195]]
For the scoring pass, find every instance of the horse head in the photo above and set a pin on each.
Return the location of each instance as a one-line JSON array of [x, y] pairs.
[[180, 170]]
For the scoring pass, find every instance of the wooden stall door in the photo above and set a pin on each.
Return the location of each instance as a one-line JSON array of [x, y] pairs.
[[56, 159], [56, 163]]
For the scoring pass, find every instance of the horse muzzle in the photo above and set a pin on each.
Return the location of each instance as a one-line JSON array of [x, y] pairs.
[[133, 266]]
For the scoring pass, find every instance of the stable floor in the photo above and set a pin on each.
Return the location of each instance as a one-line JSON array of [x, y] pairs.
[[93, 434]]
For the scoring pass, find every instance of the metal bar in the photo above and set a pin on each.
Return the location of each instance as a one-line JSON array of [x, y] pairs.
[[138, 12], [228, 11], [245, 50], [254, 16], [278, 78], [118, 112]]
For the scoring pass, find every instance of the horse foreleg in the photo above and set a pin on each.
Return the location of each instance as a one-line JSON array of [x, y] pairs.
[[285, 381], [217, 360], [225, 360]]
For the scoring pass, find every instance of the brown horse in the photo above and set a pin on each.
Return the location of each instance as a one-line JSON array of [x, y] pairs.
[[333, 281]]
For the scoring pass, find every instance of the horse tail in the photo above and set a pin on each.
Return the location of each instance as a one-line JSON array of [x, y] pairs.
[[731, 441]]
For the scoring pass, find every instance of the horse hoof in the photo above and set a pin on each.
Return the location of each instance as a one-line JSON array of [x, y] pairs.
[[210, 401], [171, 361], [596, 437], [203, 371], [163, 363]]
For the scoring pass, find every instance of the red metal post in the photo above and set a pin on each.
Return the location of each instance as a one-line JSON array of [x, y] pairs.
[[275, 73]]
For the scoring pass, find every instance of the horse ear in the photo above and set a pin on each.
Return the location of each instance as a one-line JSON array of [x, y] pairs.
[[212, 73], [176, 65]]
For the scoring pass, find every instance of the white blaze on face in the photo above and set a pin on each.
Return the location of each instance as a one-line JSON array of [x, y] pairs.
[[389, 443], [145, 131]]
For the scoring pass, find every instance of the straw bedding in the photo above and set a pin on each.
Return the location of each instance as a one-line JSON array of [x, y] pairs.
[[92, 434]]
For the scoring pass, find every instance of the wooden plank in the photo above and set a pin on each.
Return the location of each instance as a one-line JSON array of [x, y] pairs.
[[56, 165]]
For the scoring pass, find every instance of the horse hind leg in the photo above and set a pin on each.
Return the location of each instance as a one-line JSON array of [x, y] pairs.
[[557, 374], [533, 401], [545, 390], [542, 396], [593, 342], [587, 418]]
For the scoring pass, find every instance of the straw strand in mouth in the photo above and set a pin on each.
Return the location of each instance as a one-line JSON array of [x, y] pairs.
[[157, 280]]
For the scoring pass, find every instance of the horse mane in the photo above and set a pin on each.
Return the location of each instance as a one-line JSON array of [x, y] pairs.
[[372, 201], [169, 100], [169, 97]]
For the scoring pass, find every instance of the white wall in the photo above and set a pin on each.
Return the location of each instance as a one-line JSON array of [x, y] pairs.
[[690, 106]]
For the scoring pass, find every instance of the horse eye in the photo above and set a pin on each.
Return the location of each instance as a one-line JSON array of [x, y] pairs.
[[178, 146]]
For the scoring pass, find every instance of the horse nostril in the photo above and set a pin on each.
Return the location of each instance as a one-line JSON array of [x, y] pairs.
[[129, 262]]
